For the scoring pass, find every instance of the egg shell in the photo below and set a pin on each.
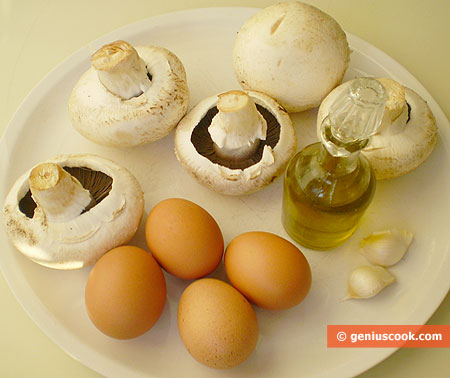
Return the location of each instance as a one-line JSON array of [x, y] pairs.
[[268, 270], [184, 238], [217, 325], [125, 292]]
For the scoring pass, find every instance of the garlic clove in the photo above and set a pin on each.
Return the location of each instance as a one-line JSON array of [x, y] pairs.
[[386, 248], [367, 281]]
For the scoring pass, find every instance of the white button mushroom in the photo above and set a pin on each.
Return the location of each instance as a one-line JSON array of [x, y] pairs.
[[236, 142], [67, 212], [406, 136], [292, 52], [130, 96]]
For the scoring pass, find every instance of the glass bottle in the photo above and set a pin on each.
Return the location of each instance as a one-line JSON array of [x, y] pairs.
[[329, 185]]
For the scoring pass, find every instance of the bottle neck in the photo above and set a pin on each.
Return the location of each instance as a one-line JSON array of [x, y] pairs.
[[336, 156], [337, 146], [337, 165]]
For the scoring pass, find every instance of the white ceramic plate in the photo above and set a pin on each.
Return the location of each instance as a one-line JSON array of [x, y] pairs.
[[292, 343]]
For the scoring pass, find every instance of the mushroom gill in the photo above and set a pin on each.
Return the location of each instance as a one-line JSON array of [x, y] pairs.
[[97, 183], [203, 143]]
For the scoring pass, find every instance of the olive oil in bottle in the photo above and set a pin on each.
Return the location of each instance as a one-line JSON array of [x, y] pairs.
[[329, 184]]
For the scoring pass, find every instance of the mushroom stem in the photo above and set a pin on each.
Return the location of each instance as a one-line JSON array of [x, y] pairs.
[[396, 110], [60, 195], [121, 70], [238, 126]]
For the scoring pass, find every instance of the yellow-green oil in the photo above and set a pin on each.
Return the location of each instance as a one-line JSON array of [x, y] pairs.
[[325, 196]]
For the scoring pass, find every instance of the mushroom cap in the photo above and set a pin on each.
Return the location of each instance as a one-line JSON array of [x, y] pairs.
[[393, 154], [268, 165], [106, 119], [292, 52], [84, 239]]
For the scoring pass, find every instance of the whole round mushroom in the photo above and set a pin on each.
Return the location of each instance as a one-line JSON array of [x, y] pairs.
[[407, 133], [130, 96], [236, 142], [65, 213], [292, 52]]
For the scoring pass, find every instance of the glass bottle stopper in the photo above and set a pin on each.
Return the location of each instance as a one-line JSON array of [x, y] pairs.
[[353, 117]]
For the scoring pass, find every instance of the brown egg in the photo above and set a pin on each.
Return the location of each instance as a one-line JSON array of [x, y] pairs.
[[217, 325], [125, 292], [269, 270], [184, 238]]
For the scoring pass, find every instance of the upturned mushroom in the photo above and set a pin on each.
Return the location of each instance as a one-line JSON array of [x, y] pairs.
[[407, 133], [292, 52], [236, 142], [130, 96], [67, 212]]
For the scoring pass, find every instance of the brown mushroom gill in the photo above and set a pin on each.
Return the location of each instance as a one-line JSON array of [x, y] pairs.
[[98, 183], [201, 139]]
